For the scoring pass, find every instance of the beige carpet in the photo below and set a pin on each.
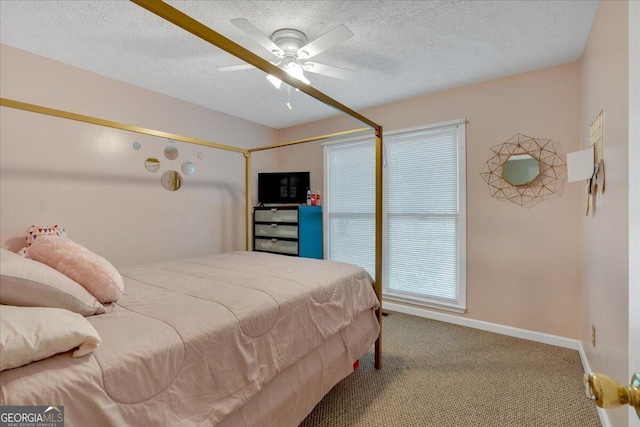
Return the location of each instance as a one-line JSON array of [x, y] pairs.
[[439, 374]]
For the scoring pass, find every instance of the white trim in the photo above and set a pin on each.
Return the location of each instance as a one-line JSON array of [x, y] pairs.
[[427, 303], [634, 198], [364, 135], [460, 305], [426, 127], [360, 138], [482, 325], [584, 358], [602, 414], [462, 215]]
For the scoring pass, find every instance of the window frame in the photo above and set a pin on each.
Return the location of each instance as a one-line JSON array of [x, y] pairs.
[[461, 304], [364, 139]]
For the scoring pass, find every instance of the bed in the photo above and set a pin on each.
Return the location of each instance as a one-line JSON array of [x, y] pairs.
[[231, 340], [235, 339]]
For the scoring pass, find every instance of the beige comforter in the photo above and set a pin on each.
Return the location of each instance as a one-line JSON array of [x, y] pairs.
[[191, 341]]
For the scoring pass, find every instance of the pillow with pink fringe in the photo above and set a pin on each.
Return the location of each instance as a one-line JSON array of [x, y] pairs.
[[95, 273]]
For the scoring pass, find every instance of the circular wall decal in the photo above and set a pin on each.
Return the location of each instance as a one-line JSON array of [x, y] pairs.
[[171, 152], [188, 168], [171, 180], [152, 164]]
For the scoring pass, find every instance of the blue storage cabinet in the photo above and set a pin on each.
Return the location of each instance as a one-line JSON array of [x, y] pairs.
[[288, 230]]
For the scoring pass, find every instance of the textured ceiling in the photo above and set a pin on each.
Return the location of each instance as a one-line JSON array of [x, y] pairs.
[[400, 49]]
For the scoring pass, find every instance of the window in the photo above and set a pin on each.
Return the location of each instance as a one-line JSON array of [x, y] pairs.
[[424, 212], [424, 216], [349, 203]]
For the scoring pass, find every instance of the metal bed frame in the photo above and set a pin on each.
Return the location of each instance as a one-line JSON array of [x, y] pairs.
[[173, 15]]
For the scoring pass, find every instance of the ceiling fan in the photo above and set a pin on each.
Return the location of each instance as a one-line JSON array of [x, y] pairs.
[[292, 49]]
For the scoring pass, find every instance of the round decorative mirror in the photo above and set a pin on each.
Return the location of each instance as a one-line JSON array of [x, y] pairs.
[[137, 145], [188, 168], [171, 152], [152, 164], [171, 180], [520, 169], [525, 170]]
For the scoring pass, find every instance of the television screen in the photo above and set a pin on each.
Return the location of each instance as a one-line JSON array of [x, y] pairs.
[[283, 187]]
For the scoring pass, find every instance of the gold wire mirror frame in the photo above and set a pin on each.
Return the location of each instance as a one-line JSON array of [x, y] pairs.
[[547, 185]]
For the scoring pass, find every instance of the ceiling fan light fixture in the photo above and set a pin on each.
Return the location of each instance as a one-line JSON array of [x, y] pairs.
[[295, 70], [293, 49], [276, 82]]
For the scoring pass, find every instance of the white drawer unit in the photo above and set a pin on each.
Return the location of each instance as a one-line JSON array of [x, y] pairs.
[[275, 215], [290, 230], [276, 230], [276, 245]]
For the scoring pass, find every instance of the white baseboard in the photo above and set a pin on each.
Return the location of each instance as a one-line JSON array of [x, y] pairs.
[[500, 329], [485, 326], [604, 418]]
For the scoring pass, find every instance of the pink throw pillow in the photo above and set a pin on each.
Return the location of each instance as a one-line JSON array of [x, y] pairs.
[[94, 273]]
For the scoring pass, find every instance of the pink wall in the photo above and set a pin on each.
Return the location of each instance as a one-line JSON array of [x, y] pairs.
[[90, 179], [605, 257], [522, 264]]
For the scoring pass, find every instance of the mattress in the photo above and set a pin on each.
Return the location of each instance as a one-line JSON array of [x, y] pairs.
[[195, 342], [290, 396]]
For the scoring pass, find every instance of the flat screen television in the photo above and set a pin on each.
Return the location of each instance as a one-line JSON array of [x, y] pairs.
[[283, 187]]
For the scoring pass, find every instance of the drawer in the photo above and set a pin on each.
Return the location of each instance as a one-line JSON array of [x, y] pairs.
[[276, 215], [276, 230], [275, 245]]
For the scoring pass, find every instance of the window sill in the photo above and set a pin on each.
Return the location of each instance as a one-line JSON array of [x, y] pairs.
[[424, 303]]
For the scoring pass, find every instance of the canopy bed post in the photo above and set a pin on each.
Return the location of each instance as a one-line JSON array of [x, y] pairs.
[[247, 198], [378, 278]]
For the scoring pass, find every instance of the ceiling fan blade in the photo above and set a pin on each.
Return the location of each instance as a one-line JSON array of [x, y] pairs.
[[257, 35], [235, 67], [325, 41], [328, 70]]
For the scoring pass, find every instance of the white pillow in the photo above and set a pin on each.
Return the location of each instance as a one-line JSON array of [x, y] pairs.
[[28, 334], [25, 282]]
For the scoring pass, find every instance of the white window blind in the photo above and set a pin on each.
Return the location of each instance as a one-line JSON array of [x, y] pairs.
[[349, 204], [424, 216], [424, 212]]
